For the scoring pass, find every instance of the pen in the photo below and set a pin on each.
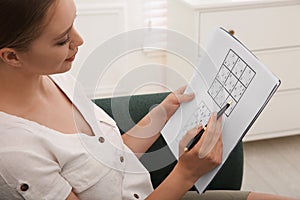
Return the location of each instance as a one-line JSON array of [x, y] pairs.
[[194, 141]]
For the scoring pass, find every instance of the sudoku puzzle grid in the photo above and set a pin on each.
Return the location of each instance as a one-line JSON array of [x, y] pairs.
[[201, 115], [231, 82]]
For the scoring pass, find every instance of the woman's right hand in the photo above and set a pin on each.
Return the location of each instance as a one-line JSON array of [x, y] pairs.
[[205, 155], [202, 158]]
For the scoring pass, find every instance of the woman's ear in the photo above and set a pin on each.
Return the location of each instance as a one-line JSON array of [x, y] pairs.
[[10, 57]]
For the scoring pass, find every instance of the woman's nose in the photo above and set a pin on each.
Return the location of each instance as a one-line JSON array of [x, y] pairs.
[[76, 40]]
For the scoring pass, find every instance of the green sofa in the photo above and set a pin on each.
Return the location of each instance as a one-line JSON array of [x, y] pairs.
[[228, 178]]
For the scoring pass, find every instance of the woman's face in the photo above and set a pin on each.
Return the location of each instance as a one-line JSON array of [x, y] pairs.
[[54, 51]]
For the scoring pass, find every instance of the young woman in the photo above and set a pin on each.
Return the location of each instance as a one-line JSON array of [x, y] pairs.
[[56, 146]]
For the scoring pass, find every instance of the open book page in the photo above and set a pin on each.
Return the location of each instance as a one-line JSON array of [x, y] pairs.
[[228, 71]]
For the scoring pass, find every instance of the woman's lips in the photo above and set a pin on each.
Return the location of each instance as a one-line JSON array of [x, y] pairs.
[[71, 59]]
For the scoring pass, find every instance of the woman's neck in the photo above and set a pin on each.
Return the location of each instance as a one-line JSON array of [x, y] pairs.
[[20, 90]]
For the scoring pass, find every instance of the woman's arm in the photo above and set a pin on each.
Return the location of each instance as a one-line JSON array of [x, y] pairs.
[[72, 196], [145, 132]]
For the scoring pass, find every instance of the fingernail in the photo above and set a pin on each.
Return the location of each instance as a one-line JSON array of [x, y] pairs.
[[199, 126]]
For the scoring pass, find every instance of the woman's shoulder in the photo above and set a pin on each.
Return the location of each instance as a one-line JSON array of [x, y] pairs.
[[11, 123], [14, 130], [19, 133]]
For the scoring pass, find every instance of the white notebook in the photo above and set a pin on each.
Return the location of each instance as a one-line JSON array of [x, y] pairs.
[[227, 71]]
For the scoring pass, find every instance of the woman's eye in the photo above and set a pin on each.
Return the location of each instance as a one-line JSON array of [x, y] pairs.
[[64, 42]]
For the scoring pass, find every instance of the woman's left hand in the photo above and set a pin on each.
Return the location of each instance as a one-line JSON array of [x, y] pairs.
[[144, 134], [171, 103]]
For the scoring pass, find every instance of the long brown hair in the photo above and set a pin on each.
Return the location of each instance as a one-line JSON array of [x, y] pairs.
[[22, 21]]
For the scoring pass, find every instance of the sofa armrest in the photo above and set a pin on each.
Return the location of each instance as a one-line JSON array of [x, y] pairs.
[[128, 110]]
